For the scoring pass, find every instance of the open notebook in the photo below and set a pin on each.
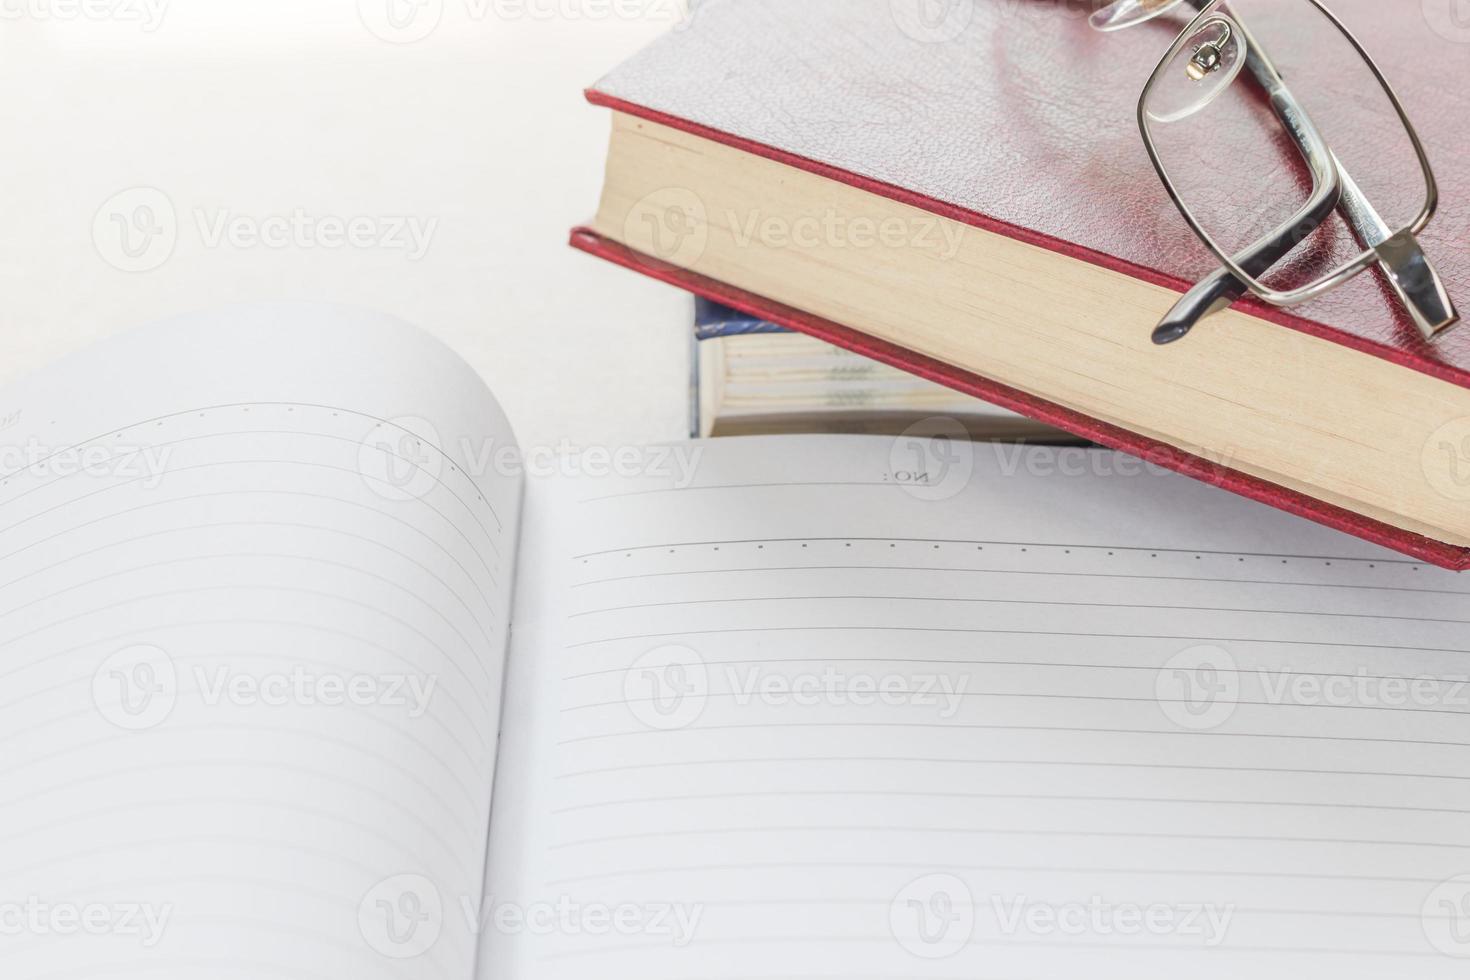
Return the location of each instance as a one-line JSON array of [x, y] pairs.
[[792, 707]]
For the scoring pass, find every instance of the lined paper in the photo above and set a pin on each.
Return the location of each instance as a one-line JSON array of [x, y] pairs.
[[254, 609], [821, 713]]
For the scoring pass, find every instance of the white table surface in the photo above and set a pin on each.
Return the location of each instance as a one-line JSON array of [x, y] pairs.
[[248, 110]]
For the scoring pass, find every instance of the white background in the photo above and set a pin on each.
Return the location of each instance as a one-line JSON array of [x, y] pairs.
[[248, 110]]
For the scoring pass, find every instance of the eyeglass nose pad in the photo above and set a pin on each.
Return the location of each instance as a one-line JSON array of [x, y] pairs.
[[1125, 13], [1205, 65]]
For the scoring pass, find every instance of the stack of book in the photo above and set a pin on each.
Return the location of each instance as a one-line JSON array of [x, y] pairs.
[[970, 202], [753, 377]]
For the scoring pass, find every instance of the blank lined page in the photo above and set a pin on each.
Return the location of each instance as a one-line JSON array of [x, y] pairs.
[[253, 609], [851, 707]]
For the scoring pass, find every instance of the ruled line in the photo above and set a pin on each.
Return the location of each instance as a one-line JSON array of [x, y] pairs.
[[1145, 668], [1014, 602], [1016, 571], [1019, 695], [952, 726], [1013, 632], [1053, 797], [1000, 543], [1047, 763], [912, 866], [666, 833]]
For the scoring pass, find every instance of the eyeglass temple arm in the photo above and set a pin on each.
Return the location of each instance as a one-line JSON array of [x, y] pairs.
[[1408, 269], [1222, 289]]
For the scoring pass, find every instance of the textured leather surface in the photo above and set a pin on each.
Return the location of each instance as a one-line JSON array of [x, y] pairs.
[[1417, 546], [1023, 121]]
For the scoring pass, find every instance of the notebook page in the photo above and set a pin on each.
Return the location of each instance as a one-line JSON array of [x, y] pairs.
[[254, 578], [853, 707]]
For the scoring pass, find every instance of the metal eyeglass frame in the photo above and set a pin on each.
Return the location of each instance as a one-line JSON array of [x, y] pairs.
[[1398, 253]]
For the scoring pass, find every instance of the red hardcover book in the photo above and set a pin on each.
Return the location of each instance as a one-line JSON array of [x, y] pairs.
[[1012, 122]]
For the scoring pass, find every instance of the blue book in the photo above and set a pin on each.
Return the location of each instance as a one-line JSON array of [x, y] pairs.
[[713, 319]]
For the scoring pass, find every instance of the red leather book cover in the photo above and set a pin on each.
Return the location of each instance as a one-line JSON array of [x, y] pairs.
[[1015, 117]]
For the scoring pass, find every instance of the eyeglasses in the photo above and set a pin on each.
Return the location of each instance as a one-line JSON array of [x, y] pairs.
[[1259, 179]]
